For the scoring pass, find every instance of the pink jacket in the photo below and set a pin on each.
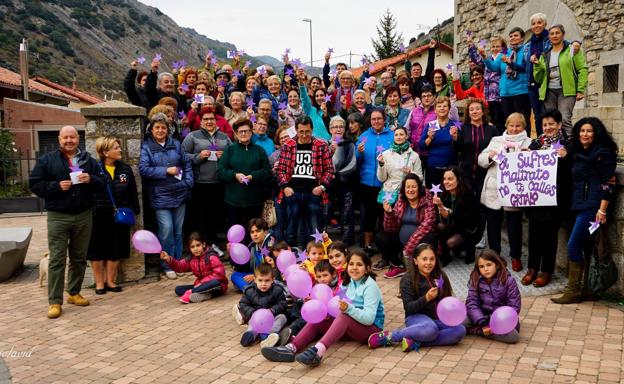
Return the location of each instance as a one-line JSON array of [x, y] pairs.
[[205, 268]]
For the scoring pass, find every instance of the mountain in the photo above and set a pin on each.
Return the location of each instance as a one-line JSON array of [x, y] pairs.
[[94, 41], [270, 60]]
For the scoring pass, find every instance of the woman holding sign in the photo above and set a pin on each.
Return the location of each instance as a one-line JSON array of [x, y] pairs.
[[593, 186], [544, 222]]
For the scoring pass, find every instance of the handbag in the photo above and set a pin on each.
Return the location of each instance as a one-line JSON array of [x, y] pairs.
[[123, 216], [603, 272], [268, 213]]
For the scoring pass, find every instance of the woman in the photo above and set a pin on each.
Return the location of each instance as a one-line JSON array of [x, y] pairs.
[[293, 109], [405, 85], [110, 242], [314, 84], [460, 226], [244, 168], [396, 116], [359, 105], [370, 144], [544, 222], [477, 90], [562, 74], [317, 110], [272, 91], [235, 111], [440, 83], [168, 176], [394, 164], [593, 189], [355, 126], [260, 136], [205, 147], [250, 84], [409, 223], [471, 140], [437, 140], [513, 139], [209, 102]]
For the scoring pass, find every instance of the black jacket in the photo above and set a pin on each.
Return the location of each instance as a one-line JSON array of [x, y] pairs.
[[471, 141], [154, 94], [135, 94], [416, 303], [253, 299], [123, 188], [53, 168]]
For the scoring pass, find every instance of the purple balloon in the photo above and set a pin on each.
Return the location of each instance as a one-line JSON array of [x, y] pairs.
[[261, 321], [322, 292], [236, 233], [451, 311], [289, 270], [503, 320], [146, 242], [299, 283], [285, 259], [314, 311], [239, 253], [333, 306]]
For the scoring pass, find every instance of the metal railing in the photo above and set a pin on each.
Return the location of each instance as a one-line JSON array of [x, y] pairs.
[[14, 172]]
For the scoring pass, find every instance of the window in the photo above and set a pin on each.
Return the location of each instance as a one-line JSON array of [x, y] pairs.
[[610, 75]]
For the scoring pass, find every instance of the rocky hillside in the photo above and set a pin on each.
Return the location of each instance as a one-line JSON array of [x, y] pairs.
[[94, 41]]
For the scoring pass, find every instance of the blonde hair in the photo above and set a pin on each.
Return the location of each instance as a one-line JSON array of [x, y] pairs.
[[443, 99], [517, 116], [105, 144], [237, 94], [344, 73], [161, 108], [274, 77]]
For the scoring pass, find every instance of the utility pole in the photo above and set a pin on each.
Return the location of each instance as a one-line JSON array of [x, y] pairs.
[[24, 67], [310, 22]]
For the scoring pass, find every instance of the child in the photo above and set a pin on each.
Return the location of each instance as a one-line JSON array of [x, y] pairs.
[[357, 320], [271, 258], [491, 286], [261, 238], [262, 293], [326, 274], [316, 253], [337, 255], [421, 293], [205, 264]]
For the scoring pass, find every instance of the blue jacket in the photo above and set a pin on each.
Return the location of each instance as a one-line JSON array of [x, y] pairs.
[[593, 177], [367, 160], [366, 302], [511, 86], [316, 114], [441, 150], [260, 93], [165, 191], [265, 142], [400, 120]]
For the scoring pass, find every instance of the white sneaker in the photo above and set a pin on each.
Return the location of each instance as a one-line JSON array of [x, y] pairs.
[[171, 275], [198, 297], [218, 250], [482, 243], [270, 341], [237, 315]]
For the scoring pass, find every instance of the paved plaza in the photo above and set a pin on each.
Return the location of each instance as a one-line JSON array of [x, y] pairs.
[[145, 335]]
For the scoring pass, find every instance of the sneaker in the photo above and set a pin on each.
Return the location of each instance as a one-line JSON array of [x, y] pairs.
[[394, 272], [171, 275], [180, 274], [198, 297], [408, 344], [482, 243], [78, 300], [284, 336], [380, 265], [278, 354], [248, 338], [237, 315], [54, 311], [380, 339], [218, 250], [270, 341], [309, 357], [186, 297]]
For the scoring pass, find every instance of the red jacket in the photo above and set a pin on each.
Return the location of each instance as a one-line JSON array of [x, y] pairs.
[[205, 268], [322, 165], [222, 124], [426, 215], [473, 91]]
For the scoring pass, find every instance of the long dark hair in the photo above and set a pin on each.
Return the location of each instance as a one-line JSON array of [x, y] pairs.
[[437, 272], [421, 188], [601, 136], [501, 267], [346, 279], [462, 187]]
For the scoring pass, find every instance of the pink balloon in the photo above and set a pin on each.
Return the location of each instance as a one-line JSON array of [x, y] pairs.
[[289, 270], [261, 321], [285, 259], [503, 320], [236, 233], [322, 292], [299, 283], [314, 311], [239, 253], [333, 306], [451, 311], [146, 242]]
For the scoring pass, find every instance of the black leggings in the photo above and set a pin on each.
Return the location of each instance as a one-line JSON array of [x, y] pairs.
[[521, 104], [494, 218], [371, 209], [543, 241], [392, 249]]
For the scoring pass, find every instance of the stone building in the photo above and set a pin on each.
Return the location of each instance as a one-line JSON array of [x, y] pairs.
[[598, 24]]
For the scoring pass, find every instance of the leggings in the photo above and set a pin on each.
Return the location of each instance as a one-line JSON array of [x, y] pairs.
[[333, 330], [212, 286], [494, 218], [372, 209], [278, 323], [429, 332], [238, 279], [543, 241]]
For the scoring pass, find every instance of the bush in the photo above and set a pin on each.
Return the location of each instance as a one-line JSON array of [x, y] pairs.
[[78, 61], [8, 156], [153, 44], [61, 43]]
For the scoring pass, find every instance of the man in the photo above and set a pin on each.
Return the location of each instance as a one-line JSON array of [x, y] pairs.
[[415, 70], [265, 108], [161, 85], [386, 82], [304, 171], [67, 180], [339, 68]]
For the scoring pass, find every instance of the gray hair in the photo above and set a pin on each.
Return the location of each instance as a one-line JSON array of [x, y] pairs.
[[359, 91], [338, 119], [538, 16], [160, 118], [265, 101], [162, 75]]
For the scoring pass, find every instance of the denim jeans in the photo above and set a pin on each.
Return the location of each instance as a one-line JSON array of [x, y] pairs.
[[580, 241], [430, 332], [298, 205], [170, 223]]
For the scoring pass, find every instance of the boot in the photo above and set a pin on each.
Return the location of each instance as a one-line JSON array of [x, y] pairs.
[[588, 294], [572, 293]]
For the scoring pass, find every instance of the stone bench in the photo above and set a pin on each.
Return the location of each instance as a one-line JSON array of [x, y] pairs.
[[13, 247]]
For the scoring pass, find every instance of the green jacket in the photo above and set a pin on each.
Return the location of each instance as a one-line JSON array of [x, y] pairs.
[[249, 160], [572, 69]]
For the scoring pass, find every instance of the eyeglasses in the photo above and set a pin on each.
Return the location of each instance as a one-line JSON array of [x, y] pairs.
[[337, 127], [208, 119], [304, 133], [243, 132], [376, 118]]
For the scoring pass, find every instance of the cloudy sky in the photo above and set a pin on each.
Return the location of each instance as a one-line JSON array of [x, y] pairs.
[[342, 25]]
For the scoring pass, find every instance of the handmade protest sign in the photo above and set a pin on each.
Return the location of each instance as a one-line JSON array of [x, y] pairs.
[[528, 178]]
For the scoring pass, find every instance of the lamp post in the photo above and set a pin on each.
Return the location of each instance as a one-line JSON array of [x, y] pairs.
[[310, 22]]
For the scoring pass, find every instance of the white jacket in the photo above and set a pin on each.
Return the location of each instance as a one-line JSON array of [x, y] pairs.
[[391, 174], [489, 194]]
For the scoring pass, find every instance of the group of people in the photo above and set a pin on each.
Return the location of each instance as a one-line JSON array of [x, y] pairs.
[[288, 156]]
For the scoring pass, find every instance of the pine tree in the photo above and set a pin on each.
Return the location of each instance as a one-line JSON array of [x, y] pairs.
[[388, 43]]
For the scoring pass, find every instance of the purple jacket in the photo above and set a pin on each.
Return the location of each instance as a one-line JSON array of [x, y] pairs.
[[490, 78], [416, 123], [483, 301]]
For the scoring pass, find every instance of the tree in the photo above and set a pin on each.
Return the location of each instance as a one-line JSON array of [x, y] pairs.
[[388, 42]]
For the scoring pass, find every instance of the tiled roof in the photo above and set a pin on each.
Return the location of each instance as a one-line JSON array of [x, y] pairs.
[[380, 66], [70, 91], [14, 80]]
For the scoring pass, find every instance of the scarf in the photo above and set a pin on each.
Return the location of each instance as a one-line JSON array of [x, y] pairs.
[[392, 115], [537, 43], [545, 142], [478, 136], [513, 141], [400, 148], [509, 71]]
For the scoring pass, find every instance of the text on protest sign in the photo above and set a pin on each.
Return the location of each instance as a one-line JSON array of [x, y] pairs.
[[528, 179]]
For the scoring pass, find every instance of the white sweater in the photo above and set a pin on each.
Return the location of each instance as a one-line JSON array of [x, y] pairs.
[[391, 173]]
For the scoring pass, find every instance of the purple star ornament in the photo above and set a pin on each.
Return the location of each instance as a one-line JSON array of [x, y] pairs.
[[303, 256], [264, 251], [199, 98], [222, 83], [182, 63], [282, 106], [327, 98], [175, 65], [449, 66], [594, 226], [330, 50], [556, 146], [75, 168], [253, 118], [213, 147], [363, 60], [210, 53], [499, 157], [290, 72], [247, 63], [181, 114], [250, 104], [237, 73], [342, 294], [245, 180], [184, 87], [402, 48], [333, 72], [318, 237], [297, 62], [440, 282], [435, 189], [468, 33], [158, 57], [338, 139], [387, 196], [482, 43], [380, 148], [371, 68], [286, 51], [213, 61], [140, 60]]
